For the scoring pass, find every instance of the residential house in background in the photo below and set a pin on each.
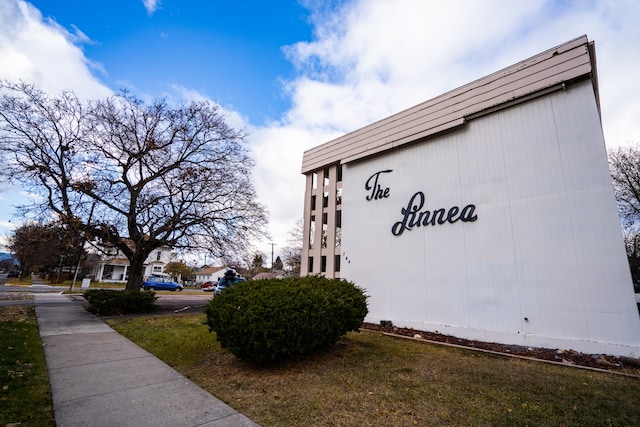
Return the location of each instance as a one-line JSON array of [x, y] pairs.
[[113, 266], [209, 274]]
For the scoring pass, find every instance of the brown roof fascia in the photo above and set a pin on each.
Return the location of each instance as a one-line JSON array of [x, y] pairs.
[[569, 61]]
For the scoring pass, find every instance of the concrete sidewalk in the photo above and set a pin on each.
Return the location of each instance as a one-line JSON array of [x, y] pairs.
[[100, 378]]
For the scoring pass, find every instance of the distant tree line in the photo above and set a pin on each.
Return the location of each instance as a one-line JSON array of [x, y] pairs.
[[45, 248]]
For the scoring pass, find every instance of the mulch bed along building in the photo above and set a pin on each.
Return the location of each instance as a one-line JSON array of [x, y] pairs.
[[565, 357]]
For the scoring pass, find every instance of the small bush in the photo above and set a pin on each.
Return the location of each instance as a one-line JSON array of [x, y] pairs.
[[271, 319], [111, 302]]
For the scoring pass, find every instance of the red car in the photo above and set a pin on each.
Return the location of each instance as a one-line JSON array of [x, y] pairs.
[[209, 286]]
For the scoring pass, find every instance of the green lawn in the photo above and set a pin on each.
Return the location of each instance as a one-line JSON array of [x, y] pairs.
[[25, 394], [373, 380], [365, 380]]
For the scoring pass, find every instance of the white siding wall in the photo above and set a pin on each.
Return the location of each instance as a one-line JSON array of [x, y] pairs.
[[546, 246]]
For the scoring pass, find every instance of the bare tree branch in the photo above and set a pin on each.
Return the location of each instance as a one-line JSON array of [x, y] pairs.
[[624, 164], [152, 175]]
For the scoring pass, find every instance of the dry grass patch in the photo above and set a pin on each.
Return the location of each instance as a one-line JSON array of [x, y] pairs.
[[372, 380], [16, 296], [16, 313]]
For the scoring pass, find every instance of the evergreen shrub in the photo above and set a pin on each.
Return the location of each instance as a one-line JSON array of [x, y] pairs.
[[111, 302], [271, 319]]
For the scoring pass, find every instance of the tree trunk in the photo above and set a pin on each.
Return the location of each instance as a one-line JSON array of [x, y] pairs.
[[136, 270]]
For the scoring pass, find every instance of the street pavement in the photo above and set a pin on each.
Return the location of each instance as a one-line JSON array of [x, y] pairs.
[[100, 378]]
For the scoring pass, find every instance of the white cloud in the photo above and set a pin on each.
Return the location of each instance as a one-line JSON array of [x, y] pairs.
[[373, 58], [7, 224], [379, 57], [151, 5], [233, 118], [279, 183], [40, 51]]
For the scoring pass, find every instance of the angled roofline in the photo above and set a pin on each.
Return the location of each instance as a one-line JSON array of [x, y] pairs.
[[548, 71]]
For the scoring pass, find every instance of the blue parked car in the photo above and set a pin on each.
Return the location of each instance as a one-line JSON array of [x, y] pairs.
[[231, 277], [160, 283]]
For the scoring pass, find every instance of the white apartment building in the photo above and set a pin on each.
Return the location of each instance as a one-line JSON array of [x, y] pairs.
[[485, 213]]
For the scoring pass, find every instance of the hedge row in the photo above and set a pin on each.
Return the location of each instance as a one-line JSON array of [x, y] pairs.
[[110, 302]]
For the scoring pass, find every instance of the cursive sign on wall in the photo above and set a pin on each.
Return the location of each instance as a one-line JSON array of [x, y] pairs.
[[373, 186], [413, 214]]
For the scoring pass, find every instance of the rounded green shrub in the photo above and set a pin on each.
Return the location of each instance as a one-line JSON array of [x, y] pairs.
[[266, 320]]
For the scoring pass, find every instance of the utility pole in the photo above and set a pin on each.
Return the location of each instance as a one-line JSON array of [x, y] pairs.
[[272, 245]]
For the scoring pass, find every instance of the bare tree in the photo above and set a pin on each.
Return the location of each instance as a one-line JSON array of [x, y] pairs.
[[624, 163], [292, 253], [632, 244], [135, 176]]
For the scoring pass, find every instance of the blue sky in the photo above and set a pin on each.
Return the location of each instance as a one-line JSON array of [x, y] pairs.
[[298, 74], [229, 51]]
